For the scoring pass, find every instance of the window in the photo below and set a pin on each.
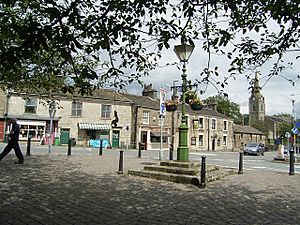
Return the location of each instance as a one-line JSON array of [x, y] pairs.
[[106, 111], [146, 116], [213, 124], [76, 108], [201, 140], [30, 105], [225, 140], [201, 122], [225, 125]]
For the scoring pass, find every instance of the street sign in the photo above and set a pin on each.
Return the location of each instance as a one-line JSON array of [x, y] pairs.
[[295, 130], [297, 124], [287, 135]]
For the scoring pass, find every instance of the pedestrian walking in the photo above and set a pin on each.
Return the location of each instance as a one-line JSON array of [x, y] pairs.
[[13, 142]]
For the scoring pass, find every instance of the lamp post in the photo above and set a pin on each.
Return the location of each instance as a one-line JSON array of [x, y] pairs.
[[183, 53], [52, 111]]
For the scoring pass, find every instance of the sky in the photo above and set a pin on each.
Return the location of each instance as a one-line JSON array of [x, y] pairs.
[[277, 91]]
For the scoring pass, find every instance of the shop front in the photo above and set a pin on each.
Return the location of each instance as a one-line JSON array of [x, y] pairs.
[[90, 134]]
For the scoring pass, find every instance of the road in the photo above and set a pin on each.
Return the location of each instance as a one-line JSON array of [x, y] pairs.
[[227, 159]]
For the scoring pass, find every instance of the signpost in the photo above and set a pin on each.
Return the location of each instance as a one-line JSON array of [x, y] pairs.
[[162, 113]]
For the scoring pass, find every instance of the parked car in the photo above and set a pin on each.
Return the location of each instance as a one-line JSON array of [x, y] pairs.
[[253, 148]]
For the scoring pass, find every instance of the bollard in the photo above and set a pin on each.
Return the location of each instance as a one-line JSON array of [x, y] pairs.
[[69, 147], [203, 171], [241, 163], [292, 163], [121, 162], [28, 146], [171, 152], [140, 151], [100, 148]]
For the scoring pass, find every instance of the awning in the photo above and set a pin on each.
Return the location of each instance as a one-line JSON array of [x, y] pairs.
[[93, 126], [157, 134]]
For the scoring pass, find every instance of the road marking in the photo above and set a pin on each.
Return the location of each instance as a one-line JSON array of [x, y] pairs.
[[259, 167], [204, 154]]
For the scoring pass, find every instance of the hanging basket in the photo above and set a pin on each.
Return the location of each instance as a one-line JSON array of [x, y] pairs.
[[171, 108], [196, 107]]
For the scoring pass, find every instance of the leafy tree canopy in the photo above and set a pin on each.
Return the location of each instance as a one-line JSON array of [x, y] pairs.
[[91, 43], [226, 107]]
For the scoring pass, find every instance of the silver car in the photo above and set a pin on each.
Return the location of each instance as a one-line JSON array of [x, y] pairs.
[[253, 148]]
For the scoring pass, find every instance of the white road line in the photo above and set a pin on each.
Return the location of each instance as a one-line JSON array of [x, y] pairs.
[[198, 153]]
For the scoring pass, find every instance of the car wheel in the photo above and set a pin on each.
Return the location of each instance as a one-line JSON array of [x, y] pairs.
[[262, 154]]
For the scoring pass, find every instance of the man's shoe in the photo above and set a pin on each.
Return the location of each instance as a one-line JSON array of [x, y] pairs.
[[19, 162]]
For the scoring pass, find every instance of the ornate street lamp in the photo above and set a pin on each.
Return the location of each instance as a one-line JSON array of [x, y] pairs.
[[52, 111], [183, 53]]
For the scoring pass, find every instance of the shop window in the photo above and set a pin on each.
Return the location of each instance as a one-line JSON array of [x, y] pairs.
[[76, 108], [30, 105], [146, 117], [106, 111]]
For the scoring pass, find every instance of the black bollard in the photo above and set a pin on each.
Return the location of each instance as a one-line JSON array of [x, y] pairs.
[[203, 172], [171, 152], [28, 146], [121, 162], [100, 148], [241, 163], [69, 147], [292, 163], [140, 151]]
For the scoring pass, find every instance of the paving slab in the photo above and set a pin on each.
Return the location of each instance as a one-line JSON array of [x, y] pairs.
[[57, 189]]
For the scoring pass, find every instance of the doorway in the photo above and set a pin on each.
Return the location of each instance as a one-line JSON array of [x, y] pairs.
[[115, 139]]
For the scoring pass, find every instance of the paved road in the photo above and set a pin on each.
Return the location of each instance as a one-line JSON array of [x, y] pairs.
[[85, 189], [228, 159]]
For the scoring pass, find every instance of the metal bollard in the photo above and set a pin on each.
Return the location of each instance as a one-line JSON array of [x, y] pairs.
[[292, 163], [100, 148], [121, 162], [28, 146], [171, 152], [241, 163], [69, 147], [203, 172], [140, 151]]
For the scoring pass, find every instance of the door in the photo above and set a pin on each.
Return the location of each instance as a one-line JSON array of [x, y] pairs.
[[1, 130], [144, 139], [64, 136], [213, 144], [115, 139]]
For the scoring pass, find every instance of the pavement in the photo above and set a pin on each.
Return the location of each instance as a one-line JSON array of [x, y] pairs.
[[60, 189]]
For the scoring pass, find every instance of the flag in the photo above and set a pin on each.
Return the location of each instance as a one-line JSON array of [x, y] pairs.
[[162, 98]]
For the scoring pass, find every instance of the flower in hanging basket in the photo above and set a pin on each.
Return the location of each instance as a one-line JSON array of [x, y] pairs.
[[189, 96], [196, 104], [171, 105]]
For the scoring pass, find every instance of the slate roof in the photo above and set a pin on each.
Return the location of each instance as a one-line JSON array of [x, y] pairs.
[[246, 129], [143, 101]]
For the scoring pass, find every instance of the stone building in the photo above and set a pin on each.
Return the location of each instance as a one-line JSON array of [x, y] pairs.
[[245, 134], [125, 120]]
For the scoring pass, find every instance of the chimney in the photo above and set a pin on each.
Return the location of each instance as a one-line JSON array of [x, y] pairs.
[[149, 91], [212, 105]]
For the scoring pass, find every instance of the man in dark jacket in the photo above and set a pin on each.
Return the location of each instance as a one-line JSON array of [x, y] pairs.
[[13, 142]]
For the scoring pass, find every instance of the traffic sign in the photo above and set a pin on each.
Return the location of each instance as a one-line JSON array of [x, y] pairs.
[[295, 130]]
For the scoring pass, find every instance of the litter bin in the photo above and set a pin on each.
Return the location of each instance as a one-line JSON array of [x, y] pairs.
[[73, 142], [56, 141]]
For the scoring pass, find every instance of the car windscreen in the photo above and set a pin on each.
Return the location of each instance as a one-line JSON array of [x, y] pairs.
[[251, 145]]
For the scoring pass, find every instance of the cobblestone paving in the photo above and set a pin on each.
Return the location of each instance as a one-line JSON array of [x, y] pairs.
[[87, 190]]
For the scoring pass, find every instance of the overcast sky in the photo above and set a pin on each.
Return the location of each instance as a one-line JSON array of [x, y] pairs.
[[277, 91]]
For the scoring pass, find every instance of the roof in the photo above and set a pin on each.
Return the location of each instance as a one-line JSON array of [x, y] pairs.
[[204, 111], [278, 119], [143, 101], [246, 129]]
